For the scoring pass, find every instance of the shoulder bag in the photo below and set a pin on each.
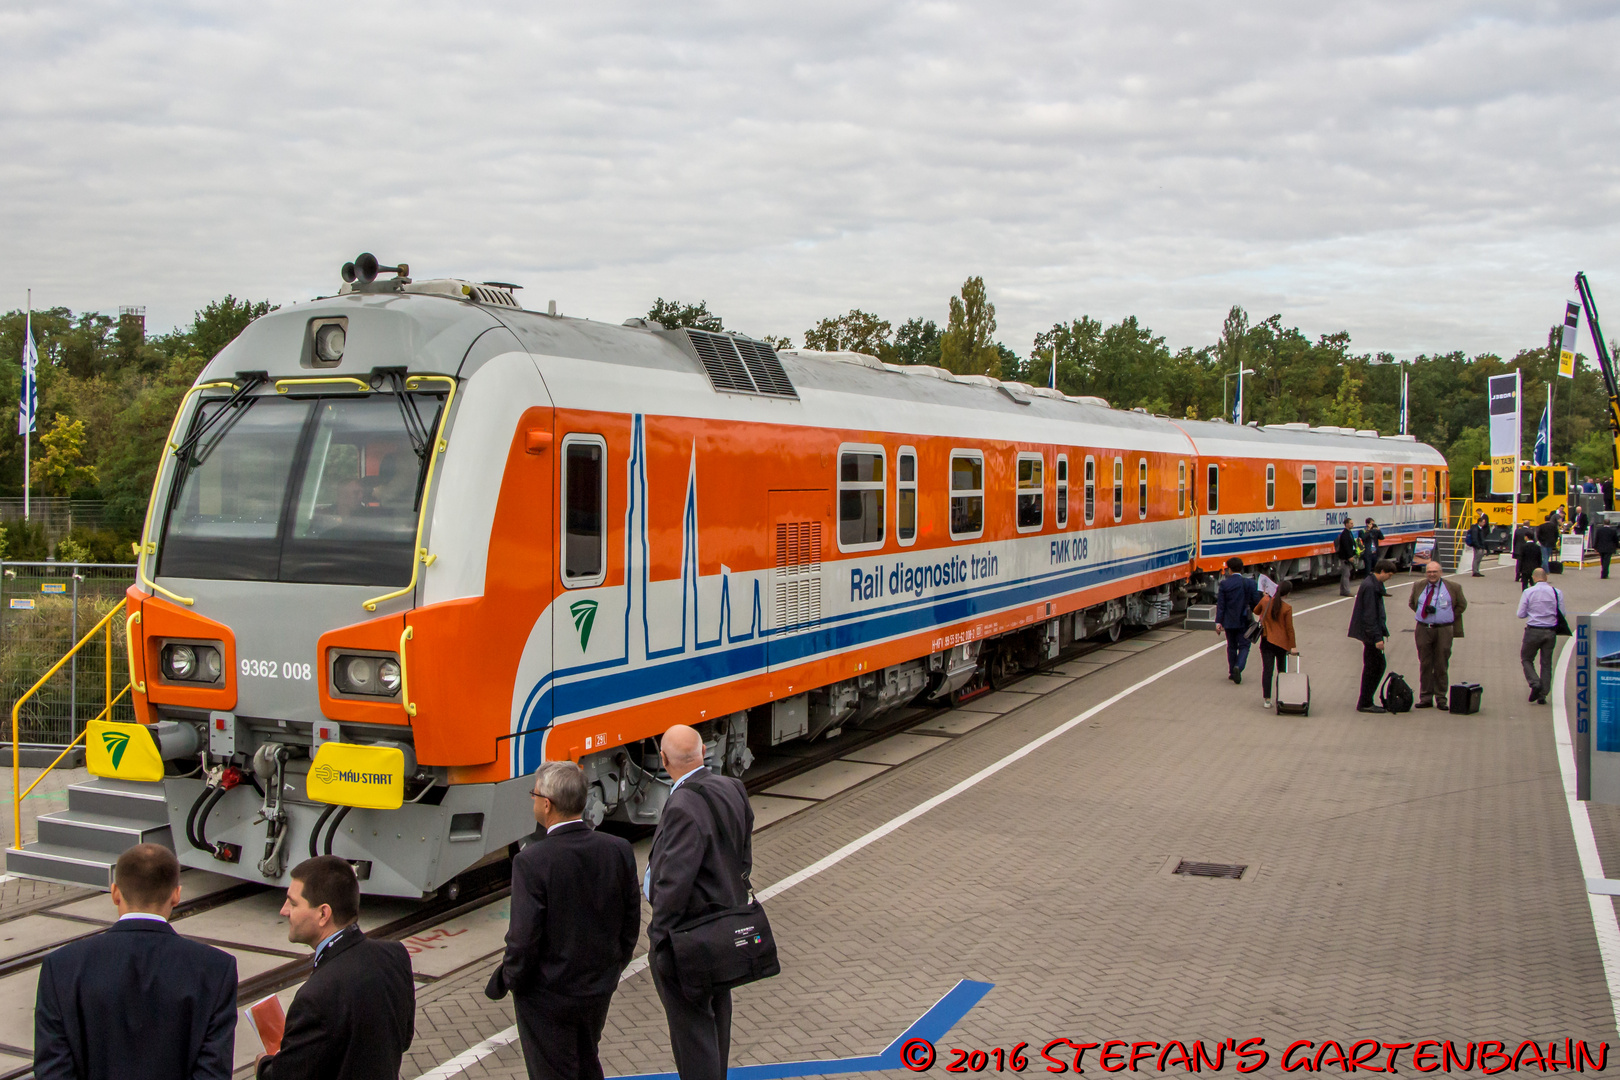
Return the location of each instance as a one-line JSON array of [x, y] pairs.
[[729, 947], [1561, 627]]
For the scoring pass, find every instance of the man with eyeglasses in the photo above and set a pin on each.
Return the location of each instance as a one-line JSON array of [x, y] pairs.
[[576, 912]]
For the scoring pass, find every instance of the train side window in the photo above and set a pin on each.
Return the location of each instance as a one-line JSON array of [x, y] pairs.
[[1271, 487], [861, 484], [1307, 486], [1031, 491], [1063, 491], [1367, 485], [1560, 479], [967, 494], [1119, 489], [584, 501], [1181, 488], [1212, 492], [1406, 486], [1091, 490], [1341, 485], [1141, 487], [1541, 484], [1389, 486], [905, 496]]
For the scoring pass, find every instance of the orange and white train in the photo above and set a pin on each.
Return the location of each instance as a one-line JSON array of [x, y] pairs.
[[410, 541]]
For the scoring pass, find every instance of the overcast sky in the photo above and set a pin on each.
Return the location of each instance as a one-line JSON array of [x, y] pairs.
[[1426, 176]]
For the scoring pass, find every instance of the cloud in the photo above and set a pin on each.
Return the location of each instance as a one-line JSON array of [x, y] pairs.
[[1427, 177]]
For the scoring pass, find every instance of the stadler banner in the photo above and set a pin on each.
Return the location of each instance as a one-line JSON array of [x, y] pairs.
[[1504, 402]]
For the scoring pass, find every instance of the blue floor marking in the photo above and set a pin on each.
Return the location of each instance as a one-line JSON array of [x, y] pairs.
[[932, 1025]]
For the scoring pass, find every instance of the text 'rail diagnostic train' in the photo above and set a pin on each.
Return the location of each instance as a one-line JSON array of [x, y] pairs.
[[409, 541]]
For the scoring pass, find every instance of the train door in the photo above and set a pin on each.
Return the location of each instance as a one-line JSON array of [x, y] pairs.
[[800, 523]]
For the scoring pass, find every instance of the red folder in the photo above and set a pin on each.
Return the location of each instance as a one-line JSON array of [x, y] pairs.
[[269, 1021]]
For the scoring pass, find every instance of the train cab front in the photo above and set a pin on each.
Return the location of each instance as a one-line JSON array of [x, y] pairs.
[[269, 637]]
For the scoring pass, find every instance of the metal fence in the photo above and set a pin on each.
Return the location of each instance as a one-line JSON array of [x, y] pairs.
[[58, 516], [45, 608]]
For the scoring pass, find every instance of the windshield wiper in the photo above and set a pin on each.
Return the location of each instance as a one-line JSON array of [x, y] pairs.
[[251, 380], [421, 438]]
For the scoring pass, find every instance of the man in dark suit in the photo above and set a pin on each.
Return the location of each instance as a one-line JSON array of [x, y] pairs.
[[354, 1018], [1235, 597], [1605, 541], [1344, 548], [576, 913], [700, 862], [1369, 626], [139, 1000]]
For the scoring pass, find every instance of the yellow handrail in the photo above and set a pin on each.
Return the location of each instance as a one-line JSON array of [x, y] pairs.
[[283, 385], [129, 647], [17, 793], [146, 546], [404, 674], [421, 557]]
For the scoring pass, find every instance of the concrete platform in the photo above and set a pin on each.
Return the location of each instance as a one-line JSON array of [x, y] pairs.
[[1407, 877]]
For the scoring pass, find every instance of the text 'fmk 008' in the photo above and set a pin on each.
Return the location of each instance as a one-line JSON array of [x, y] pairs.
[[1488, 1057]]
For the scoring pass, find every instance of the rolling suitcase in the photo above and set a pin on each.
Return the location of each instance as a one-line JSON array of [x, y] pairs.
[[1464, 698], [1293, 689]]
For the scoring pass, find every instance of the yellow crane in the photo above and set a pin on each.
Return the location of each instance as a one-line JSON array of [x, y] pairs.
[[1605, 365]]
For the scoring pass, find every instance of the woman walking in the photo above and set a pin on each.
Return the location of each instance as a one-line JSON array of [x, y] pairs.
[[1276, 635]]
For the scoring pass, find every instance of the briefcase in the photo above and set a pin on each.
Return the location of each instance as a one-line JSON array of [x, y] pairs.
[[1465, 698], [1293, 689], [1556, 566]]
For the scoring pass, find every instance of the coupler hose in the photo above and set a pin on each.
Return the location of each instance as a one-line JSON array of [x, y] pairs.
[[332, 832], [315, 833], [197, 820]]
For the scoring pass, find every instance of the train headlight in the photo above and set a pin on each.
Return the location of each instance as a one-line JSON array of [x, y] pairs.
[[191, 663], [329, 342], [365, 676], [180, 661]]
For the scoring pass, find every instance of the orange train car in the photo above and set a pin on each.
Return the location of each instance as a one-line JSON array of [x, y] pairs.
[[409, 541]]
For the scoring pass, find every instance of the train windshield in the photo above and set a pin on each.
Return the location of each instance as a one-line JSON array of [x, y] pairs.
[[316, 490]]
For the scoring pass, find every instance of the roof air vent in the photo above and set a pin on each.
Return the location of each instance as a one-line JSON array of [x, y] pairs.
[[739, 365]]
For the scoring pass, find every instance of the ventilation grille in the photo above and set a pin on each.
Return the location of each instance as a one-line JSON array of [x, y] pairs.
[[483, 294], [1229, 871], [798, 575], [740, 365]]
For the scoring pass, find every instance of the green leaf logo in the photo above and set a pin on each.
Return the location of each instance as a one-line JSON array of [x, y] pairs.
[[116, 743], [584, 613]]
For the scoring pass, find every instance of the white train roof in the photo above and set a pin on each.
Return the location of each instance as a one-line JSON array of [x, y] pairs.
[[454, 327]]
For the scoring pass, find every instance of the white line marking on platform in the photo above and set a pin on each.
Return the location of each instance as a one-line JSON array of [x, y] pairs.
[[475, 1054], [1603, 918]]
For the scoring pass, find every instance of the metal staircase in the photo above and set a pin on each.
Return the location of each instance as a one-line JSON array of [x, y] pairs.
[[104, 818]]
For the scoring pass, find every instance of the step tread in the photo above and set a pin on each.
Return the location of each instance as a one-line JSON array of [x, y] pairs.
[[90, 819], [60, 853]]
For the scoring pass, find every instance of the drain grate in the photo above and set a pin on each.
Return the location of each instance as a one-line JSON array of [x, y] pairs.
[[1229, 871]]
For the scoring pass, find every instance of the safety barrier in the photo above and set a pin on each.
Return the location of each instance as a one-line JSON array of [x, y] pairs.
[[106, 626], [45, 608]]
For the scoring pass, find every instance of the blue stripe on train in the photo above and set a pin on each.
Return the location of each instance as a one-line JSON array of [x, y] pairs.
[[836, 633]]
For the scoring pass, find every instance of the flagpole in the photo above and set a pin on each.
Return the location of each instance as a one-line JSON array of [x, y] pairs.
[[28, 336]]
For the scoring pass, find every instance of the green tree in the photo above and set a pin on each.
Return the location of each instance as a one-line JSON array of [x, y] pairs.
[[916, 342], [672, 313], [60, 469], [857, 331], [968, 345], [1346, 409], [777, 342], [1470, 449]]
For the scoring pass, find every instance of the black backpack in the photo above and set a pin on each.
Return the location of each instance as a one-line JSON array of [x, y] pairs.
[[1395, 696]]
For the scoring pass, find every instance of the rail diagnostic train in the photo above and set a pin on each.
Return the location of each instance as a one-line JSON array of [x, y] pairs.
[[409, 541]]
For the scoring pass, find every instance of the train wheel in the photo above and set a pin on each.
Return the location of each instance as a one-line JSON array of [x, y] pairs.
[[1115, 630]]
